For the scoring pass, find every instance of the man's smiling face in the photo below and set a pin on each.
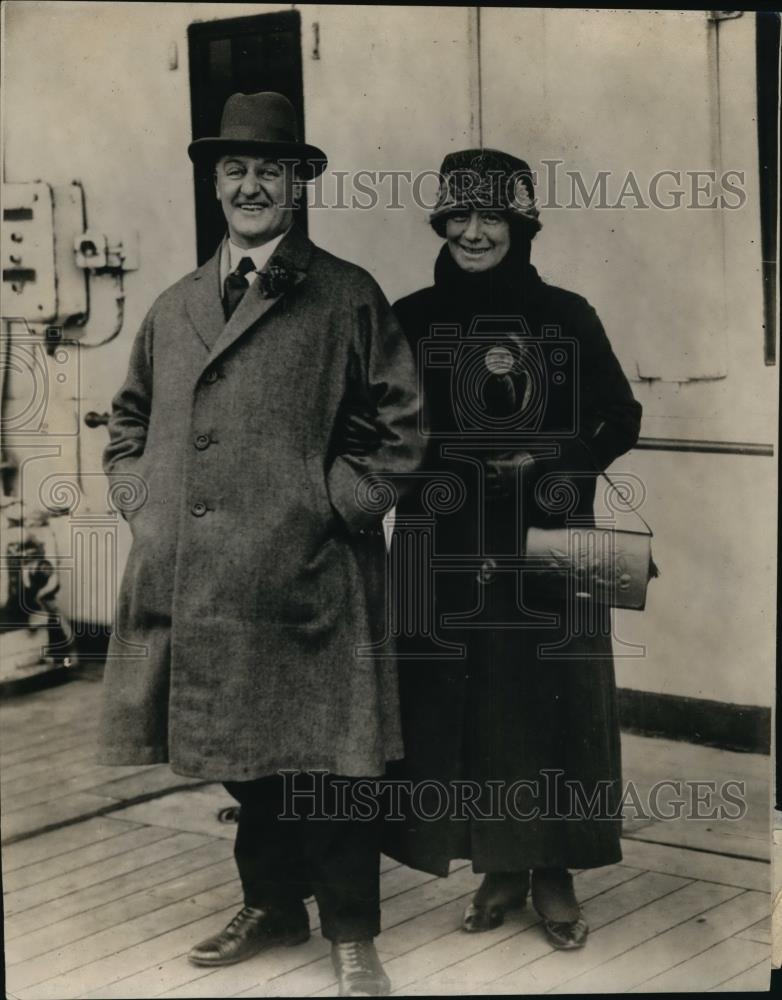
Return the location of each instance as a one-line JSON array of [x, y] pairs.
[[257, 196]]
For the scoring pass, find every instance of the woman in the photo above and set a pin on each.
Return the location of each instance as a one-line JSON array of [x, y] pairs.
[[526, 403]]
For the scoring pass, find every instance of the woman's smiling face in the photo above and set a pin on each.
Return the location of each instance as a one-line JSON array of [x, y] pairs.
[[477, 240]]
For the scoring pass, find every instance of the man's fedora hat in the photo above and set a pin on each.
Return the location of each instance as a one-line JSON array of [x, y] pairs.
[[264, 124]]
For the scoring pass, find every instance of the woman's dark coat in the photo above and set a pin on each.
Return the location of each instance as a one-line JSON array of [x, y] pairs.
[[509, 710], [254, 584]]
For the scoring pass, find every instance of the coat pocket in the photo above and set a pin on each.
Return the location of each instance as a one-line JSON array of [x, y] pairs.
[[320, 502], [129, 486]]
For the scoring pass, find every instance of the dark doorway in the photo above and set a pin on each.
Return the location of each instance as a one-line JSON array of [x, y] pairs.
[[238, 55], [767, 28]]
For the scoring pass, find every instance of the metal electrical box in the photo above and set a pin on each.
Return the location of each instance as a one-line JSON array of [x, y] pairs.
[[40, 280]]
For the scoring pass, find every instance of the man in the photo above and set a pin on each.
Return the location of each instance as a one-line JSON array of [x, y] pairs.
[[257, 563]]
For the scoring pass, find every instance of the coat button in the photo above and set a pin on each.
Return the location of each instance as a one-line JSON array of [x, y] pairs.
[[486, 572], [202, 441], [211, 377], [198, 509]]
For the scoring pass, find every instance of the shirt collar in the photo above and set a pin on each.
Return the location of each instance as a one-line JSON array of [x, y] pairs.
[[258, 255]]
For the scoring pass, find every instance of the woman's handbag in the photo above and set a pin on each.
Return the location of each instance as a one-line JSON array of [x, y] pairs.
[[610, 566]]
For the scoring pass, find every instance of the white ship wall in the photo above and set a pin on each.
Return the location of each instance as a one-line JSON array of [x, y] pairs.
[[100, 93]]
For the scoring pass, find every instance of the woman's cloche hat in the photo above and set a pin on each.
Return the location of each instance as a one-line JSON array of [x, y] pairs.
[[488, 180], [263, 123]]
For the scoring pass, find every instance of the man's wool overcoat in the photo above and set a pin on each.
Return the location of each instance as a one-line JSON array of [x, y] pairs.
[[256, 573]]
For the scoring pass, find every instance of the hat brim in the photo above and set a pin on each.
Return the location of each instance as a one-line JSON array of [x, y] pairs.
[[514, 213], [310, 161], [467, 206]]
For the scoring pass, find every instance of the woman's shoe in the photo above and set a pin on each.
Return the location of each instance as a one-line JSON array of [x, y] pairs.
[[498, 892], [555, 901]]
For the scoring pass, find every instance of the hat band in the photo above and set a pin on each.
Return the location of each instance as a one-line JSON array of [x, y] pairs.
[[502, 194], [249, 133]]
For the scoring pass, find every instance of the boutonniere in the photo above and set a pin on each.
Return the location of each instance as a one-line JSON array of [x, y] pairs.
[[275, 279]]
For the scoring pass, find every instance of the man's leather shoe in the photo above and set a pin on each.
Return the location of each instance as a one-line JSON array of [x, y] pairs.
[[498, 892], [358, 969], [252, 930]]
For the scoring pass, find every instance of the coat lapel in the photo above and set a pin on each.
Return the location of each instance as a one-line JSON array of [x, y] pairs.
[[294, 252], [203, 303]]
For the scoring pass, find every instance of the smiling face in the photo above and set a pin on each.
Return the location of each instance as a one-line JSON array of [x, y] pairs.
[[477, 240], [257, 196]]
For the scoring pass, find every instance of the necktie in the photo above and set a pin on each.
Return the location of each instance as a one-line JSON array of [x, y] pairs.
[[236, 285]]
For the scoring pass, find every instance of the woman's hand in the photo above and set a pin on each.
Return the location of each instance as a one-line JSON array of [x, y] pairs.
[[357, 434], [504, 471]]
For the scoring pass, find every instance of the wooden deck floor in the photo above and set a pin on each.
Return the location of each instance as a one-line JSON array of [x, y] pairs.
[[111, 874]]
